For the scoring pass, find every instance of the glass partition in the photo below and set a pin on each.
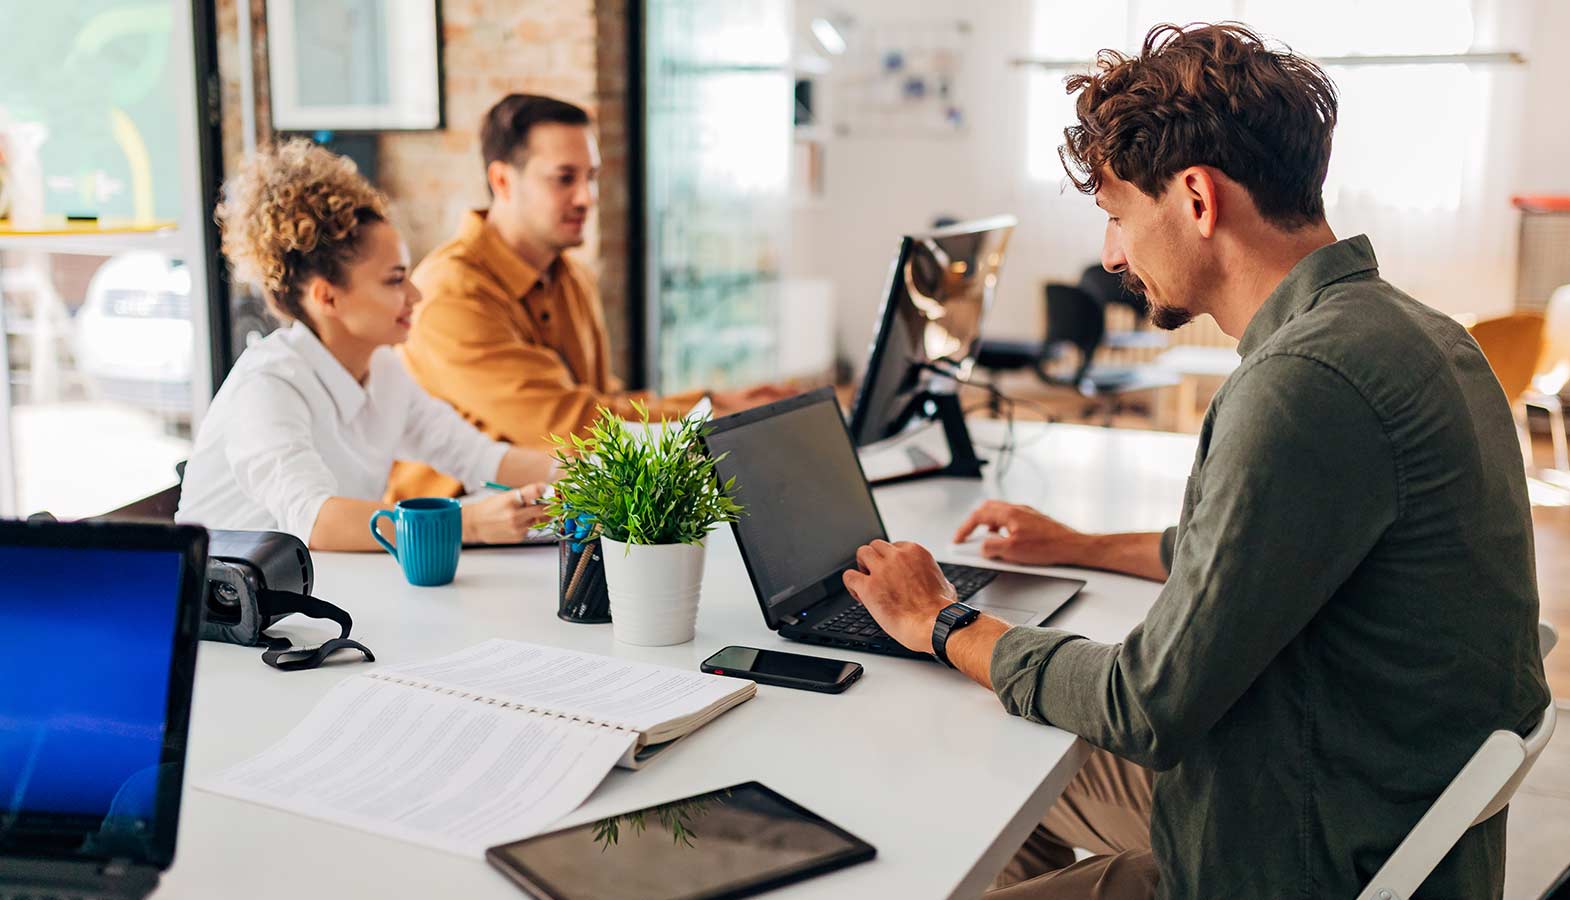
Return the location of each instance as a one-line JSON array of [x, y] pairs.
[[718, 113], [103, 344]]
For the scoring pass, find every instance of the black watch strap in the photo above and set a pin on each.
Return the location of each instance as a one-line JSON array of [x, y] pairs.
[[953, 617]]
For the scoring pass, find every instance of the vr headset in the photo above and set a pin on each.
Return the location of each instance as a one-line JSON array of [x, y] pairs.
[[255, 578]]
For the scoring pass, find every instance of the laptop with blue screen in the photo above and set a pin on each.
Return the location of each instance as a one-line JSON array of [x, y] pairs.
[[100, 622]]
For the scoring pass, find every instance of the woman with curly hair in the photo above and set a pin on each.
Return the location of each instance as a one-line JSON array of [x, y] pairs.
[[302, 435]]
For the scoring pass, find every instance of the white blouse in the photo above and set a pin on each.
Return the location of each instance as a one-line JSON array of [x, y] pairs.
[[291, 427]]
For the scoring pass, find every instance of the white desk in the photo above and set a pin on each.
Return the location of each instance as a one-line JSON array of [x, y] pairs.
[[868, 759]]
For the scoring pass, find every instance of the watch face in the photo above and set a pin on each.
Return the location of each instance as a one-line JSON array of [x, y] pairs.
[[954, 612]]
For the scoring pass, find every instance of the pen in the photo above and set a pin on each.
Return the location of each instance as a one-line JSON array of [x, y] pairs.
[[502, 487]]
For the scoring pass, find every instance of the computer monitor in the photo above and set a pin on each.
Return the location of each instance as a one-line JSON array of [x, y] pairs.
[[940, 287]]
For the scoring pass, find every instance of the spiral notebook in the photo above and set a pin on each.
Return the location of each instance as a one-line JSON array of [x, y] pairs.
[[482, 746]]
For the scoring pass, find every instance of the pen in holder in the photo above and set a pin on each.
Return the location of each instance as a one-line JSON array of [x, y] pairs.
[[583, 597]]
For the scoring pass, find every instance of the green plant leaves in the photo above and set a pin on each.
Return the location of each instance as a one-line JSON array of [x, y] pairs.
[[649, 489]]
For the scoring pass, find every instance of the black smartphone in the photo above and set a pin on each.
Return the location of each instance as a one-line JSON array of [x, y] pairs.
[[792, 670]]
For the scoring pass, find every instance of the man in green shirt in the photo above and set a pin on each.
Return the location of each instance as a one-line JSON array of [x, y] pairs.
[[1350, 606]]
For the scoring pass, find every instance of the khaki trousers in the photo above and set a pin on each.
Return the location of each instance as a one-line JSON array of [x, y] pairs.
[[1106, 810]]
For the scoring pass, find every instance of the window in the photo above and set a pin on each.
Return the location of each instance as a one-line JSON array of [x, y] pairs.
[[103, 362], [1408, 136]]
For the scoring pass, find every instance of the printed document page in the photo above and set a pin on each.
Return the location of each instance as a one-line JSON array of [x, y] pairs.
[[619, 691], [427, 767]]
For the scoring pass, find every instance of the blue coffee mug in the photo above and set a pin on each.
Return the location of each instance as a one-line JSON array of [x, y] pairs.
[[430, 535]]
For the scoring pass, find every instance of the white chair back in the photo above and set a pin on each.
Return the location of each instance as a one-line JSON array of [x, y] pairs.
[[1482, 788], [1553, 366]]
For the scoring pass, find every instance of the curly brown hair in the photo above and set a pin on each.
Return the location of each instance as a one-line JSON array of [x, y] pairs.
[[294, 212], [1212, 95]]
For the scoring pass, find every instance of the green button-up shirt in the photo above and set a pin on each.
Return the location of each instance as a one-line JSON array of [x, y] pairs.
[[1351, 609]]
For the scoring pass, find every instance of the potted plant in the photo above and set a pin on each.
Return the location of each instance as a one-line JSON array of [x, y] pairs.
[[653, 499]]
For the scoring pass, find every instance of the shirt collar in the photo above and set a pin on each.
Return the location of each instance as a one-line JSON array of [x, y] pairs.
[[347, 393], [516, 276], [1296, 292]]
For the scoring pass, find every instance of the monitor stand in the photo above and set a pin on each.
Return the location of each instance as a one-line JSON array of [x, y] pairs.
[[963, 461]]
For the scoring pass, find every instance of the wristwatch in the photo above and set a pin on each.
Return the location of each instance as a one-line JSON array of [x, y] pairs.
[[953, 617]]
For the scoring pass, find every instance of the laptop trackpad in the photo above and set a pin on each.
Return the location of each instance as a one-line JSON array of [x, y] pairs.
[[1007, 614]]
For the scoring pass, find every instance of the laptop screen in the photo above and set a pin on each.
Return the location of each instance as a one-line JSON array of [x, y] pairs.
[[91, 634], [807, 504]]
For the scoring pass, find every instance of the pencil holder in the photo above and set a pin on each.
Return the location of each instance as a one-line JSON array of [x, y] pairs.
[[583, 597]]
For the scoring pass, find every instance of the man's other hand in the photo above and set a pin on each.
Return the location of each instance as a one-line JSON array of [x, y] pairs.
[[1019, 534]]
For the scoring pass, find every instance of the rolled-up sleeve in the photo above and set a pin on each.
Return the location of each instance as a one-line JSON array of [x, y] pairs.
[[1298, 484], [1168, 544], [274, 458]]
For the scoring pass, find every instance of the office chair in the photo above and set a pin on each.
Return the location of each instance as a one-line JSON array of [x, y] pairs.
[[1480, 791], [1512, 345], [159, 506], [1077, 322], [1097, 283], [1107, 288], [1553, 373]]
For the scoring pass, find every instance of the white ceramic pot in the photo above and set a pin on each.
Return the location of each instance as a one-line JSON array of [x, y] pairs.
[[653, 591]]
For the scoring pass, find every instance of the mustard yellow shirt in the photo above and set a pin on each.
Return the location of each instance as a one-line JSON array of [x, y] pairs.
[[520, 353]]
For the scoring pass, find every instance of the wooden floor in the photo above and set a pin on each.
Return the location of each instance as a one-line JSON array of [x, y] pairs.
[[1553, 588]]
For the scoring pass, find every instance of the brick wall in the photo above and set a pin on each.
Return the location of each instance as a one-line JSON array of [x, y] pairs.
[[227, 17], [611, 115], [572, 49]]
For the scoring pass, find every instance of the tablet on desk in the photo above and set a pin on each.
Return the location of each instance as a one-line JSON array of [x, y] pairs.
[[733, 842]]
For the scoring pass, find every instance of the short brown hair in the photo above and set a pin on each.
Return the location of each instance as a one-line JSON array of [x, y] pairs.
[[504, 135], [294, 212], [1212, 95]]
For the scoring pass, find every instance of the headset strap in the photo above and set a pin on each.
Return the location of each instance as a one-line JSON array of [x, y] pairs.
[[282, 654]]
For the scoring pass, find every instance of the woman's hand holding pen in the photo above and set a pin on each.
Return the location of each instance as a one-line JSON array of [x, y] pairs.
[[506, 517]]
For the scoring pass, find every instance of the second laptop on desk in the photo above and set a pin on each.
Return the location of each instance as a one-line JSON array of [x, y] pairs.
[[809, 508]]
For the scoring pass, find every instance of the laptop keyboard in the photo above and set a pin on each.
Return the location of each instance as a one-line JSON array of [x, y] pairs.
[[855, 620], [967, 580]]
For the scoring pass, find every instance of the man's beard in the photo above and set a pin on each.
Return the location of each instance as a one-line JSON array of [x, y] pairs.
[[1167, 318]]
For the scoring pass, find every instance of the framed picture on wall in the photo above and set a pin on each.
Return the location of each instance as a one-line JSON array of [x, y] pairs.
[[355, 65]]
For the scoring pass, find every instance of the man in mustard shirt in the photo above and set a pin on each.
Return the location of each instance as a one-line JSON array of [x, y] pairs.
[[511, 331]]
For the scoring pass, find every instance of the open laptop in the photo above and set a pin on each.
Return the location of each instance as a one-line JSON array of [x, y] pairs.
[[101, 622], [809, 508]]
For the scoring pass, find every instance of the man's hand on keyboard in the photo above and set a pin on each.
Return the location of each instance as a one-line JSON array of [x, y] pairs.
[[903, 588]]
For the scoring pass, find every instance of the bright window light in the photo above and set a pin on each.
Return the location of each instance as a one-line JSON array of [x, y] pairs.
[[1406, 135]]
